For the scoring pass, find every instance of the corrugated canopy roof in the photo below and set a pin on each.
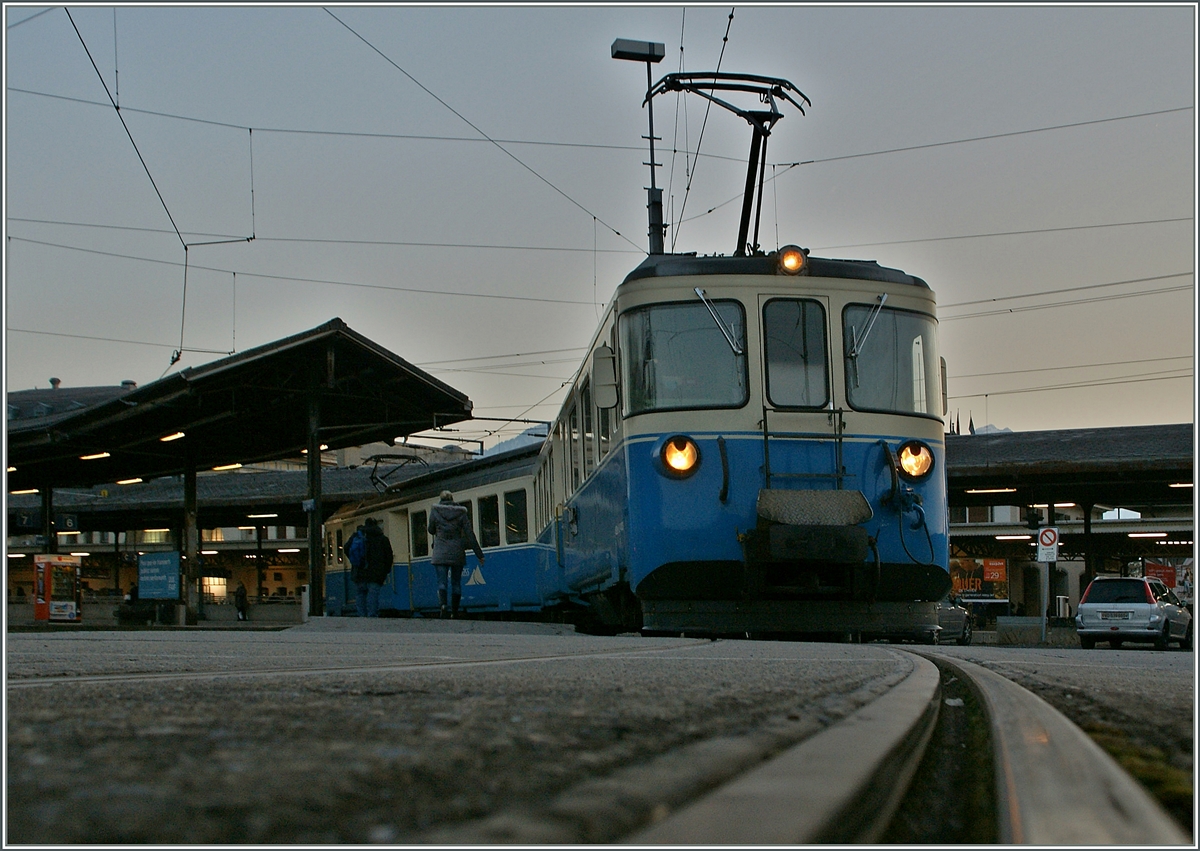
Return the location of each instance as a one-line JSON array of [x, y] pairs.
[[249, 407]]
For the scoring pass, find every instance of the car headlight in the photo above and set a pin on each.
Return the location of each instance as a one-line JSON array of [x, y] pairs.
[[915, 460], [680, 456]]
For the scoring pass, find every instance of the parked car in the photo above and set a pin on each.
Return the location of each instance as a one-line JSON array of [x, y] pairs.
[[1117, 609], [955, 622]]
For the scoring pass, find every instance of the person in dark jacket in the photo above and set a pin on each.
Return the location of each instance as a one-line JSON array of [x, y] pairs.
[[241, 601], [376, 565], [452, 536]]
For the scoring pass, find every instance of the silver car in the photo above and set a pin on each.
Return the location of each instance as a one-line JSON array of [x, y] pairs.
[[1117, 609], [955, 622]]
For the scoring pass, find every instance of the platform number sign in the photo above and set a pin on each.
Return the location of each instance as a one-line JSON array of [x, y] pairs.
[[1047, 544]]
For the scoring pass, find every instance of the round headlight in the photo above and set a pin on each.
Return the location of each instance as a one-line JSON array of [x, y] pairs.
[[792, 259], [915, 459], [680, 455]]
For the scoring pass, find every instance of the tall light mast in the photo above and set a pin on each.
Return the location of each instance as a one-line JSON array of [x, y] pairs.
[[650, 52]]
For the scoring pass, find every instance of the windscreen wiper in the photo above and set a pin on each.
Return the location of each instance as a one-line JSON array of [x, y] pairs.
[[726, 332], [856, 342]]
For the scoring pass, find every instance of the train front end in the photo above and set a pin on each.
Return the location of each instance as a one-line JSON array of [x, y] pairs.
[[784, 447]]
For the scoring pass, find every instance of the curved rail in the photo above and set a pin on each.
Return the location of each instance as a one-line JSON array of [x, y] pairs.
[[841, 785], [1054, 785]]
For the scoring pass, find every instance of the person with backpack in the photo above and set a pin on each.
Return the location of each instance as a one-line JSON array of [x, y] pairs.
[[376, 565], [452, 536]]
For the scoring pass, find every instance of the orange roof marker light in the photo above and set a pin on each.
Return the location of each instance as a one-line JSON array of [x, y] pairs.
[[792, 259]]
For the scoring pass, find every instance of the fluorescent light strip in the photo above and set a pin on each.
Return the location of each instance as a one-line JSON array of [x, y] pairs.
[[992, 490], [171, 437], [95, 457]]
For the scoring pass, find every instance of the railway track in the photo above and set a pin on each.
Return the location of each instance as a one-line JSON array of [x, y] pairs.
[[1051, 784], [880, 761]]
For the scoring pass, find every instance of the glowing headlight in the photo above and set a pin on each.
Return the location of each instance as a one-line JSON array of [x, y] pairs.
[[915, 459], [792, 260], [680, 455]]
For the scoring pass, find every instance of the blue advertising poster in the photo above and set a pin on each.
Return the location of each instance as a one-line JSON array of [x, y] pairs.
[[158, 576]]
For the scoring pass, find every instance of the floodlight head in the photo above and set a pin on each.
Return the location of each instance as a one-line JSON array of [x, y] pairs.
[[638, 51]]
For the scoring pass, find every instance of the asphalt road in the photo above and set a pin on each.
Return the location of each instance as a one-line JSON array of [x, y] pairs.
[[398, 731], [389, 731]]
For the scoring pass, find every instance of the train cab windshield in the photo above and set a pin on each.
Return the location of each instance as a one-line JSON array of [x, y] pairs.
[[891, 360], [679, 358]]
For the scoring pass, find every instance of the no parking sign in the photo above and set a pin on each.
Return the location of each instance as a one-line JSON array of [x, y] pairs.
[[1047, 544]]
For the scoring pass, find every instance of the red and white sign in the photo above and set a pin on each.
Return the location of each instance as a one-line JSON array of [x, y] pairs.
[[1047, 544], [1161, 571]]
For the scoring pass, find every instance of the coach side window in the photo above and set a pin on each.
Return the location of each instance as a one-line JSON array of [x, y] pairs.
[[420, 534], [576, 463], [489, 521], [516, 517], [588, 446]]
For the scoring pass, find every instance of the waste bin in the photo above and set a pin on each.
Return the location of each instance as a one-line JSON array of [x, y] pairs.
[[303, 604], [1063, 609]]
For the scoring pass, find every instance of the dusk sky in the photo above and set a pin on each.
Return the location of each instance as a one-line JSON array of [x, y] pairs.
[[1034, 164]]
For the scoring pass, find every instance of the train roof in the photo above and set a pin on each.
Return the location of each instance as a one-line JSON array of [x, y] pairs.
[[672, 265], [469, 474]]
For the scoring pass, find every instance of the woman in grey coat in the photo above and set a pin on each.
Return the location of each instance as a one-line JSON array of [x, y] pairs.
[[452, 535]]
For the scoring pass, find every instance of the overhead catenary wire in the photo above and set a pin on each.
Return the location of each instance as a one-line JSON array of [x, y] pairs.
[[128, 132], [966, 376], [504, 297], [1060, 291], [700, 140], [786, 166], [1109, 382], [178, 353], [227, 238], [303, 280], [30, 18], [301, 131], [470, 124]]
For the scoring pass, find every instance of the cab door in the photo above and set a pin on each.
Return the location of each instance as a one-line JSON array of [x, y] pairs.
[[802, 428]]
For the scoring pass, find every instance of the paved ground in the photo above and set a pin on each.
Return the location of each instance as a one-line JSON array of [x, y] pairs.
[[383, 731]]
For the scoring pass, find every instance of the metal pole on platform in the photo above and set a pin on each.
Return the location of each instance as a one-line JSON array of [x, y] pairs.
[[313, 506]]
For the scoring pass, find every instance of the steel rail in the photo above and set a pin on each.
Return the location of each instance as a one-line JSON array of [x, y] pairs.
[[841, 785], [1054, 785]]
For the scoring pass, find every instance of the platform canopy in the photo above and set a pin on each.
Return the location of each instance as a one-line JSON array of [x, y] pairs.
[[1127, 466], [249, 407]]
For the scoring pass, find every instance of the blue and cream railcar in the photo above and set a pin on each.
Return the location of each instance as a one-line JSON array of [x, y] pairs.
[[755, 444], [495, 490]]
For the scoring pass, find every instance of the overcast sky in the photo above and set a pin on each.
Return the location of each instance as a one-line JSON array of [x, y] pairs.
[[1034, 164]]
